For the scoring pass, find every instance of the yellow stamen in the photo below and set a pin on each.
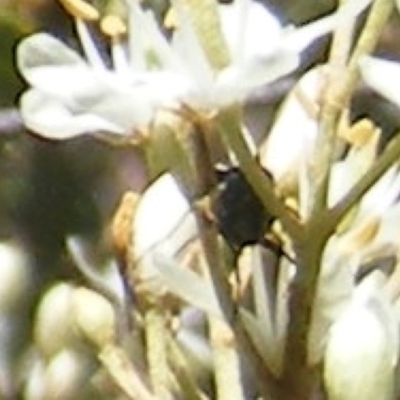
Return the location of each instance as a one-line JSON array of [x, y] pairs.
[[121, 224], [113, 25], [366, 233], [360, 133], [80, 9], [170, 20]]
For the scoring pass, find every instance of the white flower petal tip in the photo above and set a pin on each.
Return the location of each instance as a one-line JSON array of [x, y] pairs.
[[245, 21], [382, 76], [301, 105], [51, 119], [160, 211], [298, 39], [42, 49]]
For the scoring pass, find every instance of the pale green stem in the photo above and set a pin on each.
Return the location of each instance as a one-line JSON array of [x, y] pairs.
[[342, 42], [226, 361], [156, 347], [182, 371], [124, 374], [338, 92]]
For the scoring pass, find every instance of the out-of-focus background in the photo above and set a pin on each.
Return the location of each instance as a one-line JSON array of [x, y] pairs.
[[49, 190]]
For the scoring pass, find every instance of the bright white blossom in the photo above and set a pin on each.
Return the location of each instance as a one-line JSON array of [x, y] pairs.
[[72, 94]]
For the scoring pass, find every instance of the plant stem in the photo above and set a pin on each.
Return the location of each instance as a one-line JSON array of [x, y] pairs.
[[338, 92], [297, 374], [124, 374], [156, 347]]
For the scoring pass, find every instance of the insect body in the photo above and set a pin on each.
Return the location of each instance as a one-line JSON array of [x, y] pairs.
[[240, 215]]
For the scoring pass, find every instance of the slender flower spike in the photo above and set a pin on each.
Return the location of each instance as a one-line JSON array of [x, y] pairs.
[[72, 94], [369, 232]]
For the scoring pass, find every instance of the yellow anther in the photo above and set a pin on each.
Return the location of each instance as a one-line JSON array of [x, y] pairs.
[[170, 19], [366, 233], [292, 204], [80, 9], [121, 224], [113, 25], [360, 133]]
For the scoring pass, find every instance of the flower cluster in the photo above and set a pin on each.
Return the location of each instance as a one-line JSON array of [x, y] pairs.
[[73, 94], [318, 288]]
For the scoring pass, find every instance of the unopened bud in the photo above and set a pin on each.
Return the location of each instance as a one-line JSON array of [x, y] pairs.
[[94, 316]]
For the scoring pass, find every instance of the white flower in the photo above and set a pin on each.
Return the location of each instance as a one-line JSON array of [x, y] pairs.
[[362, 348], [302, 106], [71, 95], [164, 227]]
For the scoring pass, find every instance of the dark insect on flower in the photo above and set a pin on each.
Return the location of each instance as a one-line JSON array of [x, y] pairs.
[[239, 213]]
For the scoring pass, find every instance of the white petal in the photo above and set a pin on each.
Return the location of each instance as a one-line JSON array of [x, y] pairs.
[[188, 48], [297, 39], [236, 82], [47, 63], [334, 290], [280, 158], [163, 226], [363, 347], [383, 194], [249, 29], [163, 213], [186, 284], [145, 37], [52, 119], [383, 76]]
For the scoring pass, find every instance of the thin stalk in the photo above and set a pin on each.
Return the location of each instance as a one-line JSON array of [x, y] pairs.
[[338, 93], [156, 348], [226, 357], [297, 377], [188, 385], [124, 374], [229, 384]]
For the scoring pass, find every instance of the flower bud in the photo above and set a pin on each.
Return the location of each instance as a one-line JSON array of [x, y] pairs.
[[54, 323], [14, 276], [94, 316]]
